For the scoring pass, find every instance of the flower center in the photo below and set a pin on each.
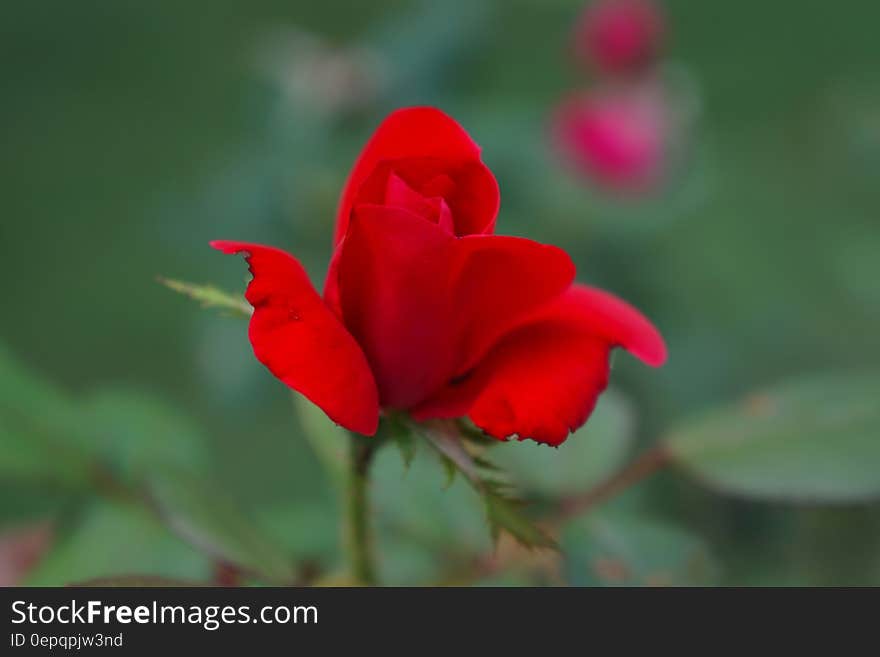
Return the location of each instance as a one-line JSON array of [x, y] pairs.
[[433, 208]]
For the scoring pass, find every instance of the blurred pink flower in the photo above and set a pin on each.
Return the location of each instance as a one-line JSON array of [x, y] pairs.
[[617, 137], [619, 36]]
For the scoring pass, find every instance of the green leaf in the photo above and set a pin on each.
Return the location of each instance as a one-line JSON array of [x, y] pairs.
[[30, 457], [403, 438], [49, 439], [589, 455], [114, 539], [503, 510], [25, 393], [210, 297], [31, 501], [449, 468], [136, 432], [504, 513], [37, 423], [624, 549], [204, 517], [487, 465], [815, 440], [475, 435]]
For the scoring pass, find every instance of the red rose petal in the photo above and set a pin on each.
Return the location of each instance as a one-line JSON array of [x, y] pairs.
[[429, 135], [542, 380], [616, 322], [501, 280], [302, 343], [425, 306], [391, 285]]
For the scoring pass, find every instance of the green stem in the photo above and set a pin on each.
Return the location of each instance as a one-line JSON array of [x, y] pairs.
[[358, 539]]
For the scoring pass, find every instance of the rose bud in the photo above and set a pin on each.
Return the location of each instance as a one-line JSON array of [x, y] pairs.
[[618, 138], [426, 311], [619, 36]]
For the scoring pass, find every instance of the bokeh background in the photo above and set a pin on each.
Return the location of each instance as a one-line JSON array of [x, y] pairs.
[[133, 133]]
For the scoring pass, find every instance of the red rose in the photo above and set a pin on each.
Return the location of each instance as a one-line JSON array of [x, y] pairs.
[[425, 310], [619, 36]]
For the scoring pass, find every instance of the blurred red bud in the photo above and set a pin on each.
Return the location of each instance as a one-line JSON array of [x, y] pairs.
[[619, 36], [616, 137]]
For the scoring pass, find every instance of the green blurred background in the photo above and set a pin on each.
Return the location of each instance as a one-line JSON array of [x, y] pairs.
[[133, 133]]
